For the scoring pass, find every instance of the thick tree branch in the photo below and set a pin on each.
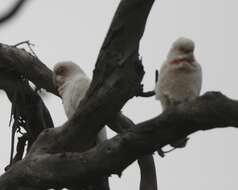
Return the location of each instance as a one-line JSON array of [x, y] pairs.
[[29, 112], [64, 157], [212, 110], [23, 63], [116, 79], [146, 163], [118, 69]]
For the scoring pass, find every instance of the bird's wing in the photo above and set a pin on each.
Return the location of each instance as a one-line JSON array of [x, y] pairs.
[[74, 92]]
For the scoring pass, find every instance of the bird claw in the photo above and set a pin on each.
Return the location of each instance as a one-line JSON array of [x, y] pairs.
[[180, 143], [140, 90], [161, 153]]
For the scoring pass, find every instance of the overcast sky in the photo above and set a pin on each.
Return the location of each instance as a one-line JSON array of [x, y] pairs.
[[74, 30]]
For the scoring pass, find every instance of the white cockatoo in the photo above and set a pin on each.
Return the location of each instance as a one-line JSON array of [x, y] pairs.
[[180, 77], [72, 84]]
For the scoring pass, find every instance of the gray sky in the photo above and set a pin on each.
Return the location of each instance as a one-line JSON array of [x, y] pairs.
[[72, 30]]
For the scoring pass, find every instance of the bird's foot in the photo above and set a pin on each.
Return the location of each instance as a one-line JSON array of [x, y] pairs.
[[180, 143]]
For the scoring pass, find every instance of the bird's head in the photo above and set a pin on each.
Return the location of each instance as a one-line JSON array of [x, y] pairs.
[[63, 71], [182, 50]]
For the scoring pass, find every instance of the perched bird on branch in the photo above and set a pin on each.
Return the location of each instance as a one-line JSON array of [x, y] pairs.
[[180, 78], [72, 84]]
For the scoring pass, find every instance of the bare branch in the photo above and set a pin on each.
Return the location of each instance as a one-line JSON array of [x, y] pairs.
[[122, 124], [19, 61], [212, 110], [12, 11], [118, 68], [66, 156]]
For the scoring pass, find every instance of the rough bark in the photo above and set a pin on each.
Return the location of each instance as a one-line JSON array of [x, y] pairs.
[[118, 63], [65, 156], [28, 110], [14, 63], [212, 110], [20, 62]]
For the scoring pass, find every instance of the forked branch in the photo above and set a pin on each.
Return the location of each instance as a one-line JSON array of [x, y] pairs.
[[212, 110]]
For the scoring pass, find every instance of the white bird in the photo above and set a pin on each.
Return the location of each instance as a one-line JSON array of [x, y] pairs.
[[72, 84], [180, 77]]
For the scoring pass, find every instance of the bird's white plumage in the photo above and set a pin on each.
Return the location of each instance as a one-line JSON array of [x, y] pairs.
[[180, 77], [72, 84]]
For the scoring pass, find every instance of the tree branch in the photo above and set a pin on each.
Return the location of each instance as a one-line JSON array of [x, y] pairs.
[[212, 110], [13, 11], [122, 124], [65, 156], [13, 59], [28, 110], [118, 68]]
